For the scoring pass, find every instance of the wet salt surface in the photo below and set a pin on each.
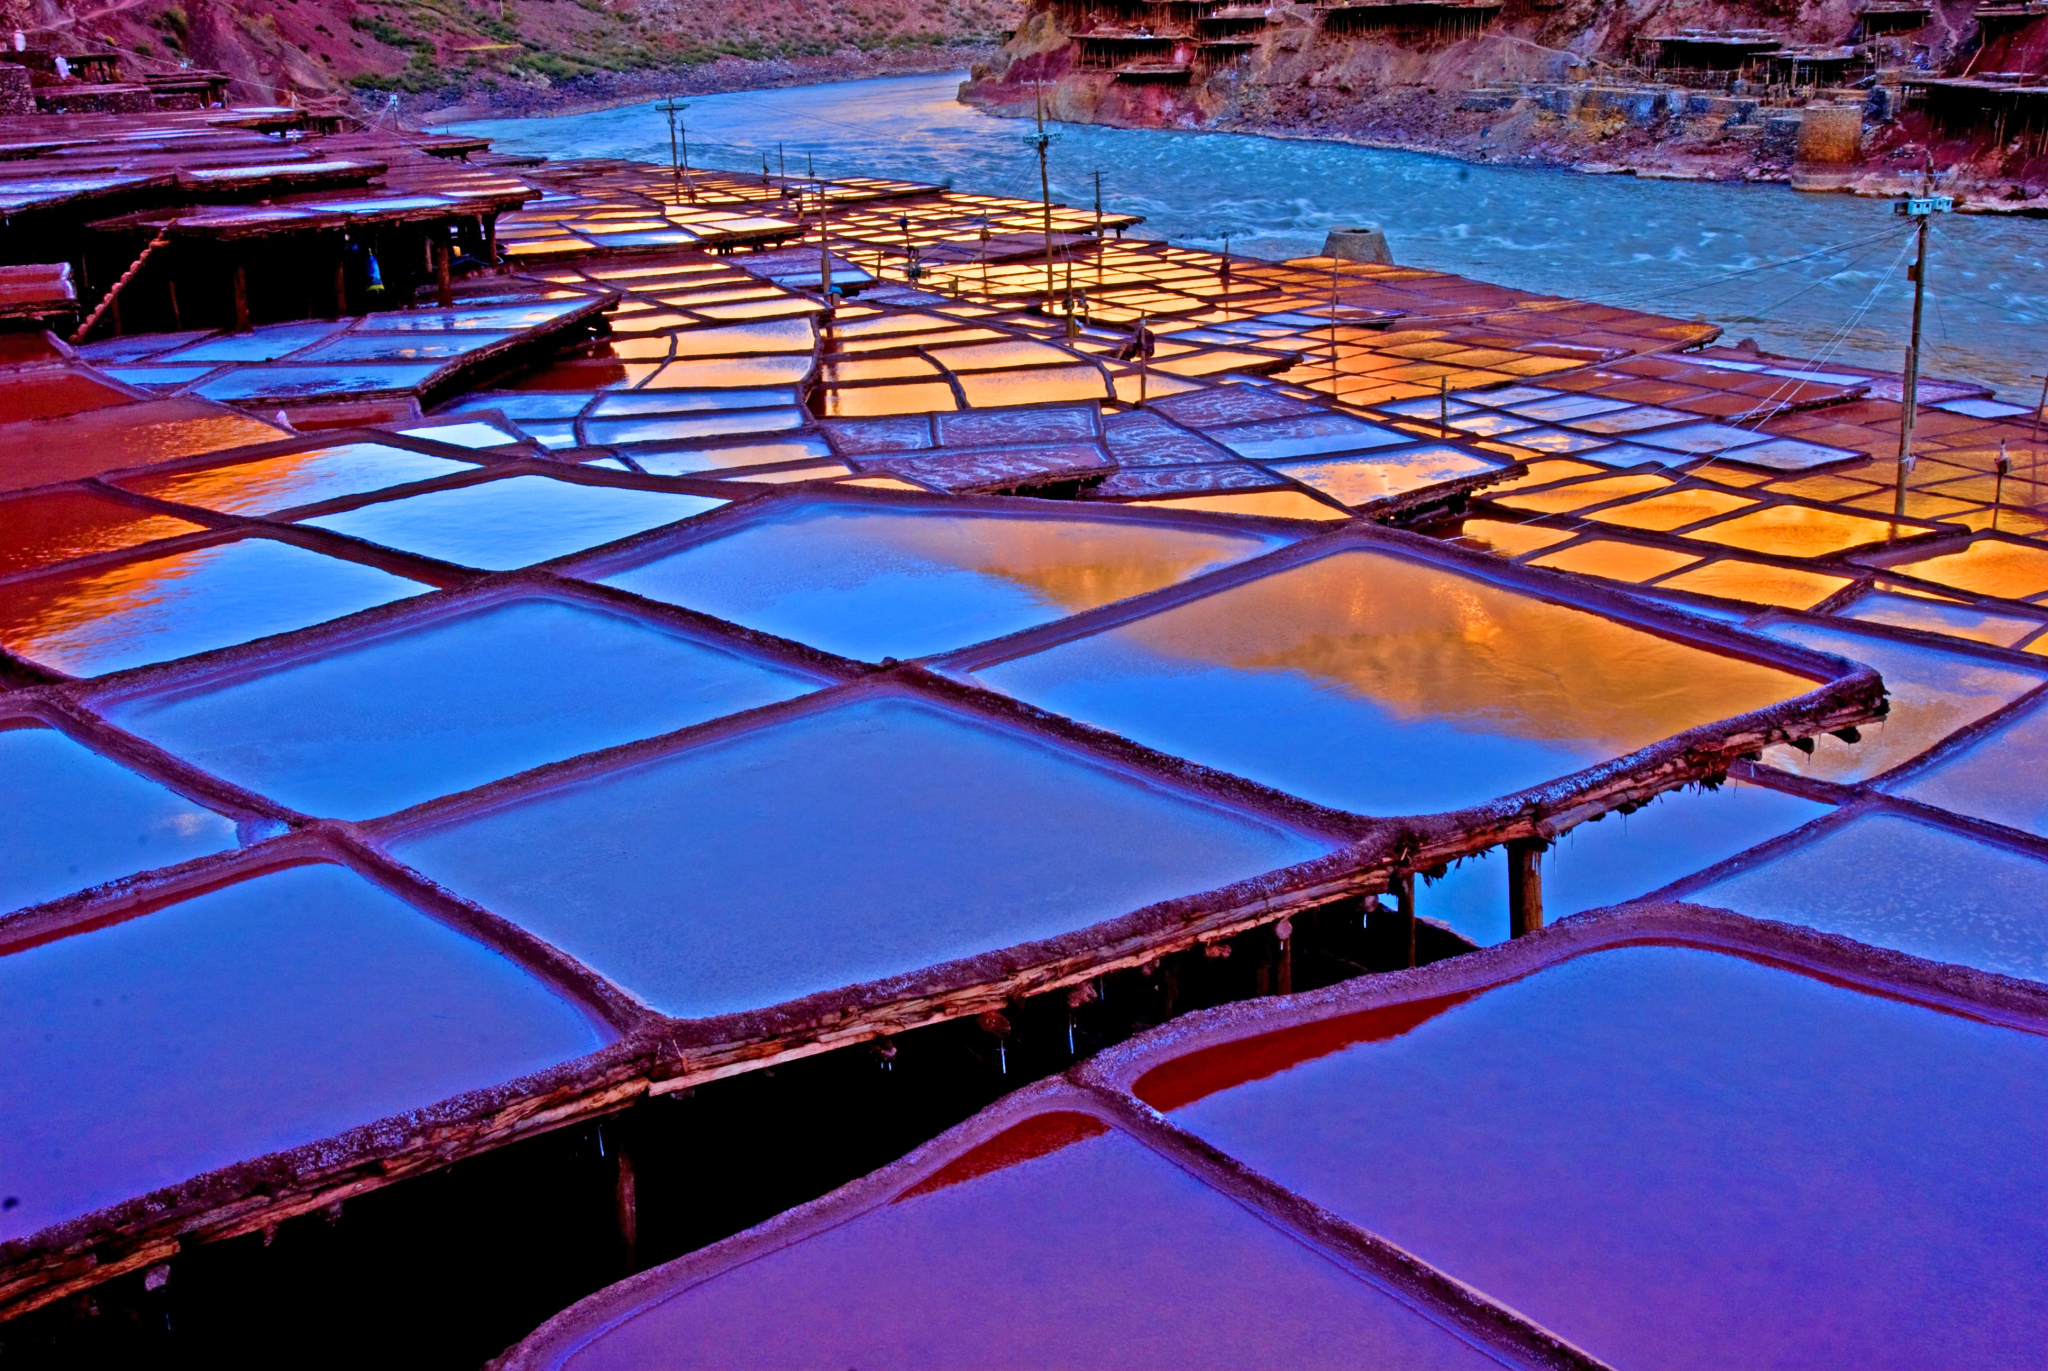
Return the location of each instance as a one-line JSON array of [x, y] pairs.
[[295, 478], [260, 1016], [1933, 616], [870, 582], [2002, 777], [513, 522], [1932, 693], [925, 835], [155, 609], [1047, 1241], [1897, 883], [1679, 1159], [1376, 684], [47, 782], [1619, 858], [1674, 247], [450, 704], [38, 530]]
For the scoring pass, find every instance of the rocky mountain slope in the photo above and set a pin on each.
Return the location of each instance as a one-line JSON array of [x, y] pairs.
[[514, 53]]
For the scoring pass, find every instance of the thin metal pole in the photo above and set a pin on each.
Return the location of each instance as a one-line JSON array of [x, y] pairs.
[[675, 158], [2034, 445], [1142, 385], [1045, 196], [684, 130], [1910, 397], [1098, 236], [1998, 487], [1333, 326], [1223, 272], [824, 252]]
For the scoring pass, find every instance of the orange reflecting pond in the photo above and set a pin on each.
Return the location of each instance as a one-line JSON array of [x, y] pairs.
[[1458, 690]]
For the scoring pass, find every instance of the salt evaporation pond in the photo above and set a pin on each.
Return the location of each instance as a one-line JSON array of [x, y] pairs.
[[1657, 245]]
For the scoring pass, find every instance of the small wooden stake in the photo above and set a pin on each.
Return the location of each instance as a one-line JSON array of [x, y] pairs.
[[240, 276], [443, 286], [1525, 886], [628, 1198], [1404, 918]]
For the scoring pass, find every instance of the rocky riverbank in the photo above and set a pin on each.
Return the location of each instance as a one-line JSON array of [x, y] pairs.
[[1516, 84]]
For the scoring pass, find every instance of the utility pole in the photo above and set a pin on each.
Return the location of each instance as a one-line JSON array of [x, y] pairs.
[[1098, 228], [1039, 140], [824, 253], [678, 154], [1918, 207], [1224, 273]]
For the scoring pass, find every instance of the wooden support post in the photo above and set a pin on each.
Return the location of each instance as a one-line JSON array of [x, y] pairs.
[[1404, 918], [443, 286], [341, 282], [240, 283], [491, 241], [628, 1199], [1525, 886], [1283, 970]]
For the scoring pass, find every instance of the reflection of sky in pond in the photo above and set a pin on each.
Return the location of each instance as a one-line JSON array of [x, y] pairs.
[[871, 582], [296, 478], [376, 347], [112, 618], [243, 1021], [258, 345], [744, 455], [1619, 858], [512, 522], [2002, 777], [1936, 616], [1361, 480], [1932, 694], [451, 704], [38, 530], [1891, 881], [136, 824], [928, 835], [1377, 684], [292, 382], [1709, 1157]]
